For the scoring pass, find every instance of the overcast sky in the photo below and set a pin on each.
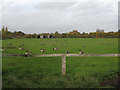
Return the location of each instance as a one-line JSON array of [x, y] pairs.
[[38, 16]]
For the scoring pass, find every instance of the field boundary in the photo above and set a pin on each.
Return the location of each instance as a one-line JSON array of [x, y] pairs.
[[64, 57], [54, 55]]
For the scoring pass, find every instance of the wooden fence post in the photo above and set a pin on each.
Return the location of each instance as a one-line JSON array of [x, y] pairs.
[[63, 65]]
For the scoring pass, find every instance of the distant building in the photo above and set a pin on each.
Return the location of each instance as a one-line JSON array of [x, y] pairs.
[[49, 36], [44, 36], [99, 30], [41, 36]]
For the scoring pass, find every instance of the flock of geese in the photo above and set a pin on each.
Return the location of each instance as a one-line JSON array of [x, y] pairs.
[[42, 50]]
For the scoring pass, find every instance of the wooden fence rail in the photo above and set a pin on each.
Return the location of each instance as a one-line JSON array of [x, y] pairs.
[[64, 57], [54, 55]]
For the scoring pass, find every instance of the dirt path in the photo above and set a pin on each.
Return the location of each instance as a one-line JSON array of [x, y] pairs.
[[53, 55]]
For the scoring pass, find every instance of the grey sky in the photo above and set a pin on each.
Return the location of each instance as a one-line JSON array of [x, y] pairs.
[[119, 15], [43, 17]]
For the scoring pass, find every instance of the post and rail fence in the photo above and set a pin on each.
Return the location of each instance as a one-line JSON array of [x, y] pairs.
[[64, 57]]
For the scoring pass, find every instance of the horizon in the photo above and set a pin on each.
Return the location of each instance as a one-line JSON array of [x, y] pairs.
[[58, 31]]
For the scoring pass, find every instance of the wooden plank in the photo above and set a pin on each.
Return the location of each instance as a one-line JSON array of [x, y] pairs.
[[92, 55], [54, 55], [48, 55], [63, 65]]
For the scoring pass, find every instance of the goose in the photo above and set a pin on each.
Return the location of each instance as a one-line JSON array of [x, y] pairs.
[[81, 52], [67, 51], [20, 48], [28, 53], [55, 48], [2, 49], [42, 50]]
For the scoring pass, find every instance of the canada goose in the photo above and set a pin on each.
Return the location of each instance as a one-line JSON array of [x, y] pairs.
[[2, 49], [20, 48], [28, 53], [55, 48], [42, 50], [81, 52], [67, 51]]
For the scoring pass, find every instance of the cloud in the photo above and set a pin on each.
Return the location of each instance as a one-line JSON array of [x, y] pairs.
[[54, 5], [62, 16], [0, 17], [119, 15]]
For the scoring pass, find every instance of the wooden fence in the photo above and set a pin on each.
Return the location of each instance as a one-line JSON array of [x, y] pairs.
[[64, 57]]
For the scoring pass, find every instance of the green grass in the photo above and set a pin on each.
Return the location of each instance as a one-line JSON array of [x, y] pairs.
[[88, 45], [88, 65], [44, 72]]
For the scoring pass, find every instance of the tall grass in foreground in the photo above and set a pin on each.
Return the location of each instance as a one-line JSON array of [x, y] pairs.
[[45, 72], [58, 81]]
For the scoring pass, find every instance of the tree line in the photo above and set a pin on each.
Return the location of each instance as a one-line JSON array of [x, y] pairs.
[[6, 34]]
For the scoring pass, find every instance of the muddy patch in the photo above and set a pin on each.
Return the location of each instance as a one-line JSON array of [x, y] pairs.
[[112, 82]]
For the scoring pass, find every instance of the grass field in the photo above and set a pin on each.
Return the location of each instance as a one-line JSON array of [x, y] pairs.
[[45, 72], [88, 45]]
